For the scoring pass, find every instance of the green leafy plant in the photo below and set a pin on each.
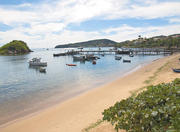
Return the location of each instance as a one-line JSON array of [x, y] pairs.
[[155, 110]]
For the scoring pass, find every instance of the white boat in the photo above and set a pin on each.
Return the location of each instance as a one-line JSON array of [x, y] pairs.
[[79, 57], [118, 57], [37, 62]]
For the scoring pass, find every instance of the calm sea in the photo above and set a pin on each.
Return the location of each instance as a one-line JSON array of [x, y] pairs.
[[24, 89]]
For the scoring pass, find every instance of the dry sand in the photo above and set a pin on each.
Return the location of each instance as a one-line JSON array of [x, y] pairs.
[[79, 112]]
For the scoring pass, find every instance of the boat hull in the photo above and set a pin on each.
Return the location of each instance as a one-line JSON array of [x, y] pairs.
[[118, 58], [127, 61], [176, 70], [38, 64]]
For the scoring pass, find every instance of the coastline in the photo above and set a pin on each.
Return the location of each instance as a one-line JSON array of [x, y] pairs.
[[78, 112]]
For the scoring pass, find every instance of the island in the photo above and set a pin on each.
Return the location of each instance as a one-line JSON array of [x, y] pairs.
[[15, 47]]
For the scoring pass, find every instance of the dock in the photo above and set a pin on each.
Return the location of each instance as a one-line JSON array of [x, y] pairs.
[[121, 52]]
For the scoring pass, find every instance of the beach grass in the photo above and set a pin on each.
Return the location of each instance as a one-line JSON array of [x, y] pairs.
[[93, 125]]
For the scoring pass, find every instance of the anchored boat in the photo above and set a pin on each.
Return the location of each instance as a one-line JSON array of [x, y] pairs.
[[37, 62], [127, 61], [71, 64], [118, 57]]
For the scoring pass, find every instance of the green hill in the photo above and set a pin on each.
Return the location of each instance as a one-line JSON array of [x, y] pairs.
[[15, 47], [91, 43], [171, 41]]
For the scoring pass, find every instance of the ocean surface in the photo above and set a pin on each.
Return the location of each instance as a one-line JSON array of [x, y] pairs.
[[24, 89]]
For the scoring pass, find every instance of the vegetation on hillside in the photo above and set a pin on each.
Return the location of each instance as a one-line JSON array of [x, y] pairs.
[[155, 110], [15, 47], [171, 41], [91, 43]]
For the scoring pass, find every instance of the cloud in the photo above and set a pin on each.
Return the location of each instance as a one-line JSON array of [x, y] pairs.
[[44, 28], [174, 20], [48, 21], [76, 11], [126, 32]]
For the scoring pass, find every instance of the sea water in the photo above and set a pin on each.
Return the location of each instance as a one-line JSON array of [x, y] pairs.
[[24, 89]]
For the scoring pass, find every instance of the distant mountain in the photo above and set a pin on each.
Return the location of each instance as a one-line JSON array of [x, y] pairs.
[[91, 43]]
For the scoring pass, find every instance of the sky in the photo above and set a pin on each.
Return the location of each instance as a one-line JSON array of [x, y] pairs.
[[46, 23]]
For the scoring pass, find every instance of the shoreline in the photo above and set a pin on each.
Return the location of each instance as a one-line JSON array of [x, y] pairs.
[[105, 93]]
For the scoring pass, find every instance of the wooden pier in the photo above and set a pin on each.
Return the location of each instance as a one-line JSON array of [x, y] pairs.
[[121, 52]]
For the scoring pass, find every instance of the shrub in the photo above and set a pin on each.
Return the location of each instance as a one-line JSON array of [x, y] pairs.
[[155, 110]]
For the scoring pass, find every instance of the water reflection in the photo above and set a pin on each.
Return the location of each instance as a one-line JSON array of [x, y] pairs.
[[39, 69]]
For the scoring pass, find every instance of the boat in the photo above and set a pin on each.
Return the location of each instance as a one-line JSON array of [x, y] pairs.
[[59, 54], [80, 48], [90, 57], [176, 70], [128, 61], [97, 57], [37, 62], [71, 64], [93, 62], [131, 55], [43, 70], [79, 57], [118, 57]]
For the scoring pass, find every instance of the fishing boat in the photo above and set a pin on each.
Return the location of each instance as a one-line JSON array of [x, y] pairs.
[[79, 57], [71, 64], [176, 70], [126, 61], [37, 62], [118, 57]]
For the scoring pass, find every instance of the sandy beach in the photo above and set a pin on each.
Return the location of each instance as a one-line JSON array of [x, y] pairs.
[[78, 113]]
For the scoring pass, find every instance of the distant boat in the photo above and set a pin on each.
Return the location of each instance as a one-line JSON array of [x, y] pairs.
[[43, 70], [71, 64], [90, 57], [37, 62], [93, 62], [176, 70], [118, 57], [80, 48], [131, 55], [79, 57], [97, 57], [59, 54], [128, 61]]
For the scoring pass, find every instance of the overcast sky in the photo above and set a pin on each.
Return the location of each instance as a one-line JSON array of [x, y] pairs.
[[46, 23]]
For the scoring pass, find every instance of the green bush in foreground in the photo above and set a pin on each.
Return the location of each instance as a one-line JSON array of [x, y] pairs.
[[155, 110]]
